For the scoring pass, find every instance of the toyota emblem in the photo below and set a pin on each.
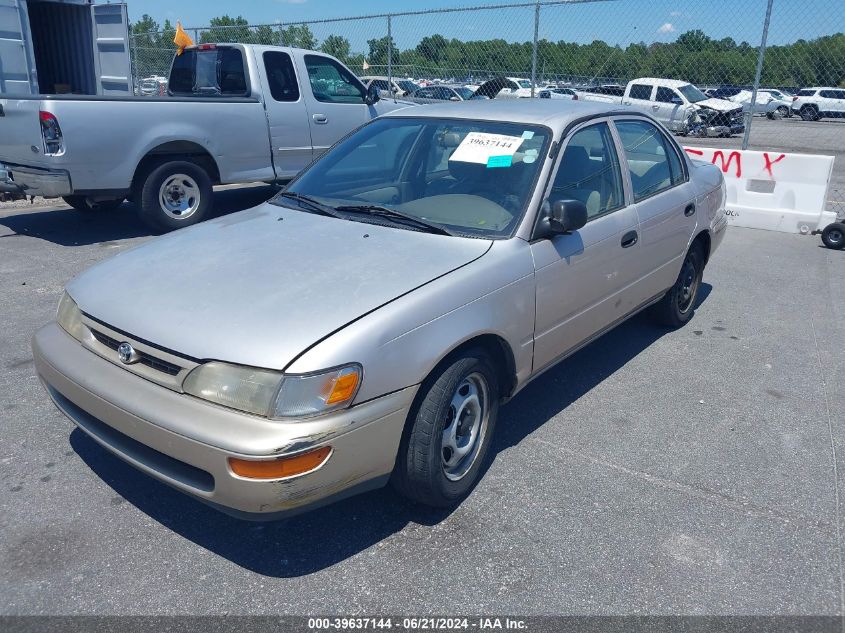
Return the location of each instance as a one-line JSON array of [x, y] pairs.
[[127, 354]]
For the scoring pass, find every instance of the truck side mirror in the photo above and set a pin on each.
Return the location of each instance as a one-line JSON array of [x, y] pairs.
[[372, 95], [567, 216]]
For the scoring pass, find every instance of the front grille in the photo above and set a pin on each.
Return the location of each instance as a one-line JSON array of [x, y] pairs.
[[145, 359]]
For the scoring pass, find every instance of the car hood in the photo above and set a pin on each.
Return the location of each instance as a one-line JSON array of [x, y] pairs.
[[261, 286], [720, 105]]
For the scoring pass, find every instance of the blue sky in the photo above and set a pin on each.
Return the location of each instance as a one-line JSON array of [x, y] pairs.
[[615, 21]]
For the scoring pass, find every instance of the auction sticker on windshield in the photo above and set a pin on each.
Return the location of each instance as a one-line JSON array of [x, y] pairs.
[[478, 147]]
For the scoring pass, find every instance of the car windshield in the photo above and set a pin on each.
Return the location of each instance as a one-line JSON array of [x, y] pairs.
[[465, 93], [472, 178], [524, 83], [692, 94]]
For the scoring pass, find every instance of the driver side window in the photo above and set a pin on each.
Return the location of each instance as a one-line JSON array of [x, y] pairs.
[[666, 95], [589, 172], [331, 82]]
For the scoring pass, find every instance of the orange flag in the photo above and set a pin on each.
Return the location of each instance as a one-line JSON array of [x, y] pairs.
[[182, 39]]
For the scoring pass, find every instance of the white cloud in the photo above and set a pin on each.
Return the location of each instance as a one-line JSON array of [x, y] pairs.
[[666, 28]]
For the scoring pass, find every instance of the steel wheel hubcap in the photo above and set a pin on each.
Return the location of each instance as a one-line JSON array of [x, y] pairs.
[[465, 427], [689, 286], [179, 196]]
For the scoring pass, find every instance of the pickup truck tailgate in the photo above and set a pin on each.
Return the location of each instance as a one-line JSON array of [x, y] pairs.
[[20, 131]]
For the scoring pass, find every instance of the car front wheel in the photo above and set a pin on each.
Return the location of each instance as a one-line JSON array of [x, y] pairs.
[[677, 305], [449, 432], [833, 235]]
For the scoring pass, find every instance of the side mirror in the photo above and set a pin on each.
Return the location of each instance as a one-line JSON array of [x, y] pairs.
[[372, 95], [454, 98], [567, 216]]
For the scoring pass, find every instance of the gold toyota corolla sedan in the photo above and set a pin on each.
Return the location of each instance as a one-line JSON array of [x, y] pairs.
[[365, 324]]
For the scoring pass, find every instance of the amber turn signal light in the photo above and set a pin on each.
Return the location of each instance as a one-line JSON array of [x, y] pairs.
[[344, 386], [280, 468]]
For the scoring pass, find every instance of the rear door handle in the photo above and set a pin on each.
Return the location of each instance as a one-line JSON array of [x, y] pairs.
[[690, 210], [320, 118], [629, 239]]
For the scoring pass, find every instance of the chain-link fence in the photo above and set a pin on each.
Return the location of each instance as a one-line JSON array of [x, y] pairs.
[[760, 52]]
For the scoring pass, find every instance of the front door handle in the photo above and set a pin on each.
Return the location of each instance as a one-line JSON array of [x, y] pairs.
[[629, 239], [320, 118], [655, 107], [690, 210]]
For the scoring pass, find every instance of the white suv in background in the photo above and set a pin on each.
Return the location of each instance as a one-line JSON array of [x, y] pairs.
[[814, 103]]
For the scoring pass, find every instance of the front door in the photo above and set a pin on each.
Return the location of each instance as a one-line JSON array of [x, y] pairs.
[[286, 114], [586, 280], [335, 101]]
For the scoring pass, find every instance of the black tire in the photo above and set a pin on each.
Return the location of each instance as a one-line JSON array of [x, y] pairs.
[[421, 465], [678, 305], [195, 190], [833, 236], [783, 111], [85, 204], [810, 113]]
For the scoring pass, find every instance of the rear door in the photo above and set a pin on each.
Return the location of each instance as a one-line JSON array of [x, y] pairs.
[[287, 116], [17, 68], [334, 98], [640, 96], [664, 197], [111, 49]]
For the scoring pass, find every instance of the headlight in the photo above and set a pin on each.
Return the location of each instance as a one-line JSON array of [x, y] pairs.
[[69, 317], [271, 393]]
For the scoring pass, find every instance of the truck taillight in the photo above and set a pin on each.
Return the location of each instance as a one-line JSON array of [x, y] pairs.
[[51, 133], [575, 97]]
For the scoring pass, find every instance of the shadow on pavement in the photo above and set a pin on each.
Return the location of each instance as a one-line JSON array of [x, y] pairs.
[[67, 227], [316, 540]]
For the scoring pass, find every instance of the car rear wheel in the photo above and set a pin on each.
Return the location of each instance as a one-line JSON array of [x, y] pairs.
[[783, 111], [833, 235], [678, 305], [449, 432], [86, 204], [175, 194]]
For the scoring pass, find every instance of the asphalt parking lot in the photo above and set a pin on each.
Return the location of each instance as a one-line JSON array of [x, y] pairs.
[[654, 472]]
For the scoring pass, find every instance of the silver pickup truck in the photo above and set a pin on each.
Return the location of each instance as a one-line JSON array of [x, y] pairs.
[[234, 113]]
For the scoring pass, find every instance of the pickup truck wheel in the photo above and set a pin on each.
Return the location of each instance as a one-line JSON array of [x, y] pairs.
[[833, 236], [175, 194], [84, 203], [449, 432], [678, 305]]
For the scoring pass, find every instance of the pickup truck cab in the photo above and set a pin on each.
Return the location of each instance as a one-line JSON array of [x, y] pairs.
[[679, 105], [233, 113]]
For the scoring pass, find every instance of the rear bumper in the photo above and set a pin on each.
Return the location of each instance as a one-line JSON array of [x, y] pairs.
[[129, 416], [34, 181]]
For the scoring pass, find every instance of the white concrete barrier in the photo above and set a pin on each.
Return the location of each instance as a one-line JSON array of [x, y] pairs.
[[773, 190]]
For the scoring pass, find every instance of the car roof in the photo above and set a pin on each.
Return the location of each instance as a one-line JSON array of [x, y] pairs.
[[670, 83], [553, 113]]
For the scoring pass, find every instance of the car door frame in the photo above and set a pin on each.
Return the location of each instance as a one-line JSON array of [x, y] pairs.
[[558, 255]]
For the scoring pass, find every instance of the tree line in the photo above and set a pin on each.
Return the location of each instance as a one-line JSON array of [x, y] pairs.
[[693, 56]]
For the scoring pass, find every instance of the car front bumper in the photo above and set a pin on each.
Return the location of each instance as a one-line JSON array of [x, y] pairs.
[[33, 181], [130, 416]]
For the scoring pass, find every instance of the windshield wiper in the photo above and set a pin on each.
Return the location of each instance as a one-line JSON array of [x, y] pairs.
[[393, 214], [310, 203]]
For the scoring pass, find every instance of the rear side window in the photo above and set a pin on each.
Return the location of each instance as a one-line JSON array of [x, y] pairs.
[[640, 91], [209, 73], [665, 95], [281, 76], [331, 82], [653, 163], [589, 171]]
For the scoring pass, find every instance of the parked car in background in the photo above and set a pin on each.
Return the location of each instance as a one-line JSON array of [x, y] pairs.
[[234, 113], [812, 104], [366, 324], [766, 103], [441, 93], [558, 93], [608, 93], [678, 105], [401, 87], [152, 86], [725, 92]]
